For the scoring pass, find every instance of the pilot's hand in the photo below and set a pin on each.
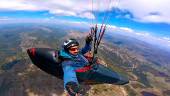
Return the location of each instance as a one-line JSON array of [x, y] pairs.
[[73, 89], [89, 39], [78, 94]]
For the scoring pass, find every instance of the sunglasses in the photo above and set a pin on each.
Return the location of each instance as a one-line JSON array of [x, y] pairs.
[[73, 49]]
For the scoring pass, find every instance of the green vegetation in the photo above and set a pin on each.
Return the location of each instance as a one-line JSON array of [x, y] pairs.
[[9, 45], [6, 85], [142, 78], [130, 91], [119, 54]]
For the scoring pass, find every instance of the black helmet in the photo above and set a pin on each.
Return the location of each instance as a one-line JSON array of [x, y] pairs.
[[70, 43]]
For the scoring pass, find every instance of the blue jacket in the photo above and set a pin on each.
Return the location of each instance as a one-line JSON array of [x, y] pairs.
[[72, 63]]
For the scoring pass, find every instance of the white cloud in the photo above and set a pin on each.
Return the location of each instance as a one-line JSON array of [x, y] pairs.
[[111, 27], [78, 8], [5, 18], [147, 10], [63, 12], [126, 29], [166, 38], [142, 10], [79, 23], [17, 5], [141, 35], [88, 15]]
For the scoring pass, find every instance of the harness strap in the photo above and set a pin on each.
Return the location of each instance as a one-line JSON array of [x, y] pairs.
[[83, 69]]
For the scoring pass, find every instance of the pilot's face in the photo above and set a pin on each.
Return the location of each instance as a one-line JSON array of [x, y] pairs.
[[74, 50]]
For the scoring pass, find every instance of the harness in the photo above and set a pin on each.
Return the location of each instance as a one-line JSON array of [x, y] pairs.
[[68, 58]]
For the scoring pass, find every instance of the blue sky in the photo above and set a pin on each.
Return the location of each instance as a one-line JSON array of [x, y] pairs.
[[148, 16], [160, 28]]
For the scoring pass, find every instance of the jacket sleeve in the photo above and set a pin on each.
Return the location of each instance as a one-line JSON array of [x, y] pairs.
[[86, 48], [69, 73]]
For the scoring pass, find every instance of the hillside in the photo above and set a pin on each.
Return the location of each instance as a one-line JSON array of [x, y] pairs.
[[145, 64]]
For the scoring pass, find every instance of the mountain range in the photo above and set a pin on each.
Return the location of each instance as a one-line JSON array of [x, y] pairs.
[[147, 65]]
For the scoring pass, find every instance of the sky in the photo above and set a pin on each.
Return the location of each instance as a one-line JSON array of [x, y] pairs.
[[147, 17]]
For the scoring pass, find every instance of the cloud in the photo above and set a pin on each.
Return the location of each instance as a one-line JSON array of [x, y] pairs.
[[4, 18], [63, 12], [147, 10], [77, 8], [88, 15], [140, 35], [120, 30], [139, 10], [126, 29], [167, 38], [17, 5]]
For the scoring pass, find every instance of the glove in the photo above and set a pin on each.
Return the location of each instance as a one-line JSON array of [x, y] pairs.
[[72, 88], [89, 39]]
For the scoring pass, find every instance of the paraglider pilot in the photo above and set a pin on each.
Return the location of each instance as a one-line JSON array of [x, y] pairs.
[[72, 59]]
